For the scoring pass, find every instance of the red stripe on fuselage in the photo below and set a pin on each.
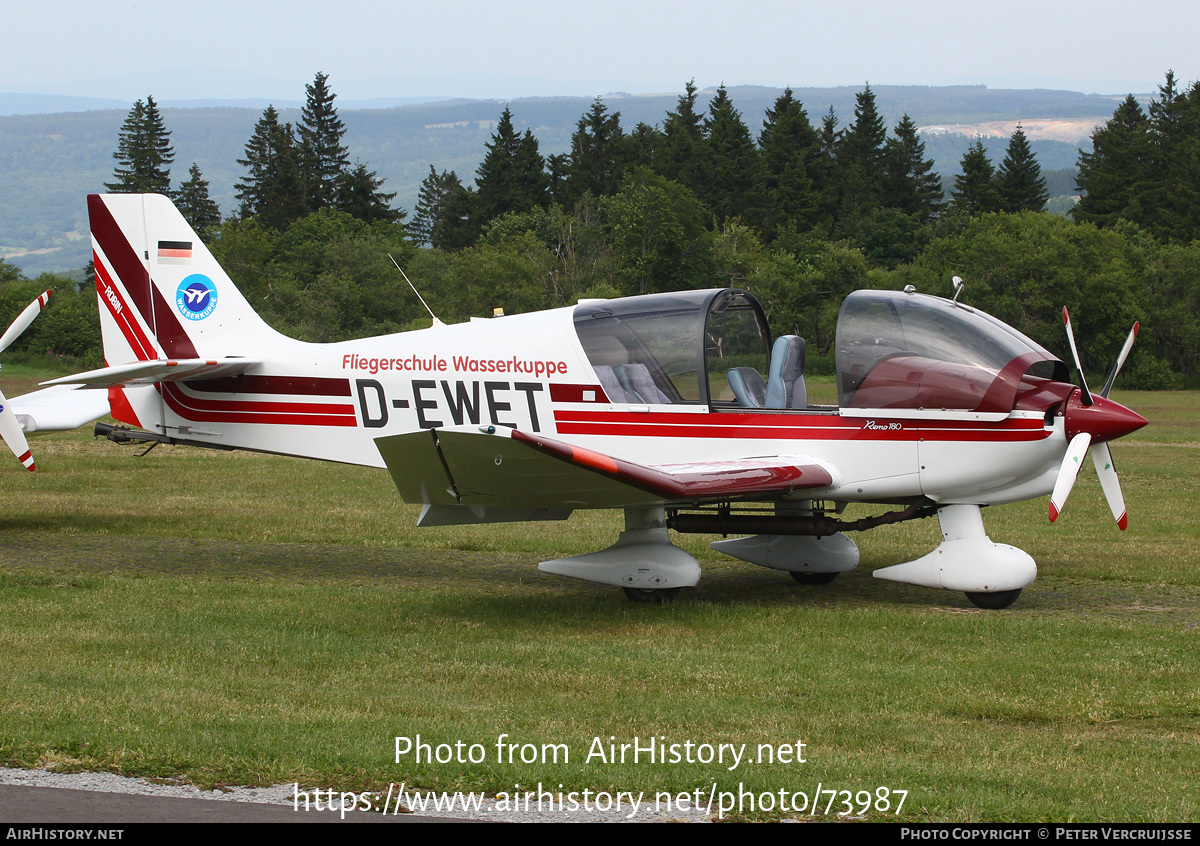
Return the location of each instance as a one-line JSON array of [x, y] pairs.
[[794, 426], [293, 385], [243, 411]]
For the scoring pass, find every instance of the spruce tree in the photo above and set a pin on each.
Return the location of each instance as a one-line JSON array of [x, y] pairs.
[[598, 154], [683, 139], [732, 184], [791, 156], [195, 205], [1112, 177], [144, 152], [359, 194], [860, 164], [323, 156], [273, 190], [910, 184], [975, 189], [1019, 177], [512, 176]]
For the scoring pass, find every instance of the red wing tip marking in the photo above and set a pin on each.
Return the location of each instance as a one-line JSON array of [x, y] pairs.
[[1053, 512], [595, 460], [26, 458], [1123, 521]]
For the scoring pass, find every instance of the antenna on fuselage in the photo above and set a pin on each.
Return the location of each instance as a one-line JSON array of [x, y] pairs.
[[436, 322], [958, 287]]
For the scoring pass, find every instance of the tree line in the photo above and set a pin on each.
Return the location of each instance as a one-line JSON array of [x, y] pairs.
[[800, 214]]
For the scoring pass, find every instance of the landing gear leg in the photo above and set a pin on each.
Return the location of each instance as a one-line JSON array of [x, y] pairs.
[[991, 574]]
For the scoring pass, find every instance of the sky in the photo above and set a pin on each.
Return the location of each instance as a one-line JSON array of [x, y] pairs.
[[184, 49]]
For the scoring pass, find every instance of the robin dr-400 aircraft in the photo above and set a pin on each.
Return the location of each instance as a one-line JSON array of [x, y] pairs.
[[676, 408]]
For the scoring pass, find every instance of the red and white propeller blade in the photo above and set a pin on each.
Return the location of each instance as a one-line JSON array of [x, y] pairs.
[[23, 320], [1087, 395], [1107, 472], [10, 430], [1068, 472], [10, 427], [1112, 377]]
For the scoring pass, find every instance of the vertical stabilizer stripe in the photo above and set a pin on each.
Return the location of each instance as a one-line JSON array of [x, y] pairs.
[[155, 311]]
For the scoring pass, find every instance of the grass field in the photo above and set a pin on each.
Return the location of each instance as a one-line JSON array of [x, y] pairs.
[[246, 619]]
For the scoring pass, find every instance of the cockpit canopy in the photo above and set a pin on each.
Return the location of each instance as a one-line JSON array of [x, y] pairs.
[[673, 348], [894, 350], [907, 350]]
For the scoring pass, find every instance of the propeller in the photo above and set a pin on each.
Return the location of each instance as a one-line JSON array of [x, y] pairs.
[[10, 427], [1091, 422]]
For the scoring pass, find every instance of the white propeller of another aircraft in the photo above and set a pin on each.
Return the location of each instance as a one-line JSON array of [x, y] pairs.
[[10, 427]]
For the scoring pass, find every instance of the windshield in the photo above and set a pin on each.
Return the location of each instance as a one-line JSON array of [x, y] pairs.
[[908, 350]]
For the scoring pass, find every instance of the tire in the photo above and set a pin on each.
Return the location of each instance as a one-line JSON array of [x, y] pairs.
[[651, 596], [994, 601], [812, 579]]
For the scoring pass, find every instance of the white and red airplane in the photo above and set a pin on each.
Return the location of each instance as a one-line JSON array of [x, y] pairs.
[[675, 407]]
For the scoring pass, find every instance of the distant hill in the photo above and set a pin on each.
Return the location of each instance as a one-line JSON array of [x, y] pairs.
[[50, 161]]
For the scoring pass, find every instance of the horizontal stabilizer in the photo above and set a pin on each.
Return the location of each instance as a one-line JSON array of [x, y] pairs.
[[158, 370]]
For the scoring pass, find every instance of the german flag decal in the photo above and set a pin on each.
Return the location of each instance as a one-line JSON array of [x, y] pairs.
[[174, 252]]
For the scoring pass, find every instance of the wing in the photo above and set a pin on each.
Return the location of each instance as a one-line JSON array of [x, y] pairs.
[[515, 470]]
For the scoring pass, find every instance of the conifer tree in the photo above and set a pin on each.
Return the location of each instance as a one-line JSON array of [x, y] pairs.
[[511, 177], [272, 190], [732, 184], [683, 139], [195, 205], [1112, 176], [791, 157], [598, 154], [975, 189], [144, 152], [860, 163], [324, 158], [910, 185], [1019, 176], [359, 195]]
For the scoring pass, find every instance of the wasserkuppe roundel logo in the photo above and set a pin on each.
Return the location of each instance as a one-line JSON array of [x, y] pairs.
[[196, 297]]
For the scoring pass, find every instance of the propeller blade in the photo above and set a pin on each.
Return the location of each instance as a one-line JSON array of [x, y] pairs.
[[1112, 377], [10, 430], [1087, 395], [1107, 471], [1068, 472], [23, 320]]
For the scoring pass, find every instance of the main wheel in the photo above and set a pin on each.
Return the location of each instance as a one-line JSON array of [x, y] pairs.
[[653, 596], [994, 601], [813, 578]]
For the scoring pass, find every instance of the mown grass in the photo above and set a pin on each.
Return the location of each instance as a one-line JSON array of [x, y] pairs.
[[237, 618]]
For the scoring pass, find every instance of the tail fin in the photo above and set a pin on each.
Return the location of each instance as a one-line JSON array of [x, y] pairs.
[[162, 294]]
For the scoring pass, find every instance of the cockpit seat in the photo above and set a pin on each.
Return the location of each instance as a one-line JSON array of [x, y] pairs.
[[636, 380], [785, 382], [748, 387]]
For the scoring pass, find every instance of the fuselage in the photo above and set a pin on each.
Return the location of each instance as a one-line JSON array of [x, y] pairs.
[[531, 372]]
